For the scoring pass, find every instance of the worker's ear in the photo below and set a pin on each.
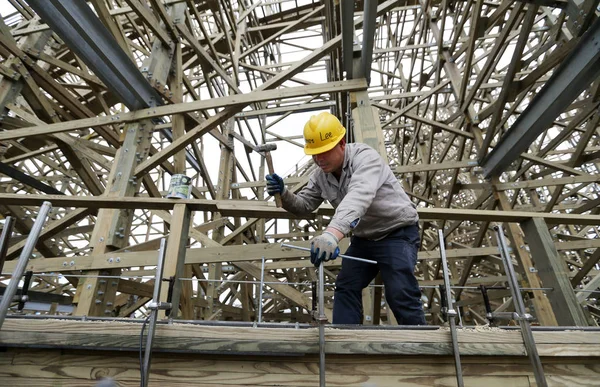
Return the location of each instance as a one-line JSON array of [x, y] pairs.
[[342, 143]]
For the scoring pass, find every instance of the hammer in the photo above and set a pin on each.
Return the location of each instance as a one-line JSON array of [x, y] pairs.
[[266, 149]]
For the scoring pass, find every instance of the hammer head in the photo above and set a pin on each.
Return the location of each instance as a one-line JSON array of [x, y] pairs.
[[266, 147]]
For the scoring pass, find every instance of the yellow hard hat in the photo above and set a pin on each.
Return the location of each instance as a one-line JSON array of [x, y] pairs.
[[321, 133]]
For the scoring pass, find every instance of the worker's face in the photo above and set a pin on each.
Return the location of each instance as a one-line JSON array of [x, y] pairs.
[[332, 160]]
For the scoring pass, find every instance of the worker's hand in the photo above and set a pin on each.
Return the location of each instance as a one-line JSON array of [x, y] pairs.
[[275, 184], [324, 248]]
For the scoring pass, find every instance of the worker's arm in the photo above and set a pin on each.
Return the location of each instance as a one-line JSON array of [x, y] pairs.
[[305, 201], [367, 177]]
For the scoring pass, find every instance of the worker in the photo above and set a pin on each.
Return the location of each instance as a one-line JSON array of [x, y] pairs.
[[369, 203]]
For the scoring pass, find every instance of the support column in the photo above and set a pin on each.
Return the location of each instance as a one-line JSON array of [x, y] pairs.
[[367, 129], [96, 296], [543, 309], [215, 272], [553, 272], [175, 257]]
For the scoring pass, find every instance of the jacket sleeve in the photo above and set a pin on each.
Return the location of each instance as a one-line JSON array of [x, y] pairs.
[[305, 201], [367, 178]]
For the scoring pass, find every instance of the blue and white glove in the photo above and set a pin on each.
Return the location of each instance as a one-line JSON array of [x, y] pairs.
[[275, 184], [324, 248]]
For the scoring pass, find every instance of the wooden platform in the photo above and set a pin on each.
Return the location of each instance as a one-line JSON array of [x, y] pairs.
[[76, 353]]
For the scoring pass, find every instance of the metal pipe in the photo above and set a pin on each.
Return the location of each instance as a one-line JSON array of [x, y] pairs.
[[322, 320], [11, 289], [451, 313], [154, 312], [366, 56], [523, 318], [347, 12], [260, 291], [340, 255]]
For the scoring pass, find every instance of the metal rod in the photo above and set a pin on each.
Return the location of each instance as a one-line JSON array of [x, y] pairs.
[[4, 238], [322, 320], [451, 313], [154, 312], [11, 289], [260, 291], [523, 318], [341, 255]]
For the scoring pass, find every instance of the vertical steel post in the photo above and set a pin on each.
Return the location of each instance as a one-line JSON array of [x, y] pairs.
[[260, 292], [11, 289], [154, 313], [522, 317], [451, 313], [322, 319]]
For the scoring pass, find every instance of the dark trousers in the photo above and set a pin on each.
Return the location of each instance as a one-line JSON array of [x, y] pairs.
[[396, 256]]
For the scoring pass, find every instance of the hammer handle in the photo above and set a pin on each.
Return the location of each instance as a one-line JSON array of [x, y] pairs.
[[271, 171]]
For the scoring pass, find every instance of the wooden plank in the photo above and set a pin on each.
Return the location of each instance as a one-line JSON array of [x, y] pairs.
[[237, 254], [257, 209], [175, 256], [436, 166], [229, 339], [160, 111]]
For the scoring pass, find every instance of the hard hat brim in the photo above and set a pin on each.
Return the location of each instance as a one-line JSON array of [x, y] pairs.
[[322, 149]]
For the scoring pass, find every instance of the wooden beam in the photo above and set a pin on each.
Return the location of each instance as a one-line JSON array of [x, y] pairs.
[[159, 111]]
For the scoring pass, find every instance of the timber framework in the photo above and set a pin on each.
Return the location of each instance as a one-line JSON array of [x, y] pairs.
[[488, 113]]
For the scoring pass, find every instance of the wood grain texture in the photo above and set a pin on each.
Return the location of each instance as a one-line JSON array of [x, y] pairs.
[[47, 367], [290, 341]]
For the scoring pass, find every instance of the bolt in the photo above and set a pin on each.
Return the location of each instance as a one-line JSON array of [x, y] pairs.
[[65, 263], [72, 263], [89, 286], [118, 259], [100, 292], [110, 260], [98, 302], [109, 304]]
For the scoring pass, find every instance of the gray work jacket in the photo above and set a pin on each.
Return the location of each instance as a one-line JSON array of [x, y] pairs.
[[368, 198]]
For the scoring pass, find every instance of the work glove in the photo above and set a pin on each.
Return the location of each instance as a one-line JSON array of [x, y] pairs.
[[324, 248], [275, 184]]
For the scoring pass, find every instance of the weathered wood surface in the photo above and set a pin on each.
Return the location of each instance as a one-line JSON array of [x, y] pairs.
[[47, 367], [230, 339]]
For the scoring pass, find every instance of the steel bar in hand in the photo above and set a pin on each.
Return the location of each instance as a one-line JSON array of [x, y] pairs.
[[523, 318], [451, 313], [340, 255], [34, 234]]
